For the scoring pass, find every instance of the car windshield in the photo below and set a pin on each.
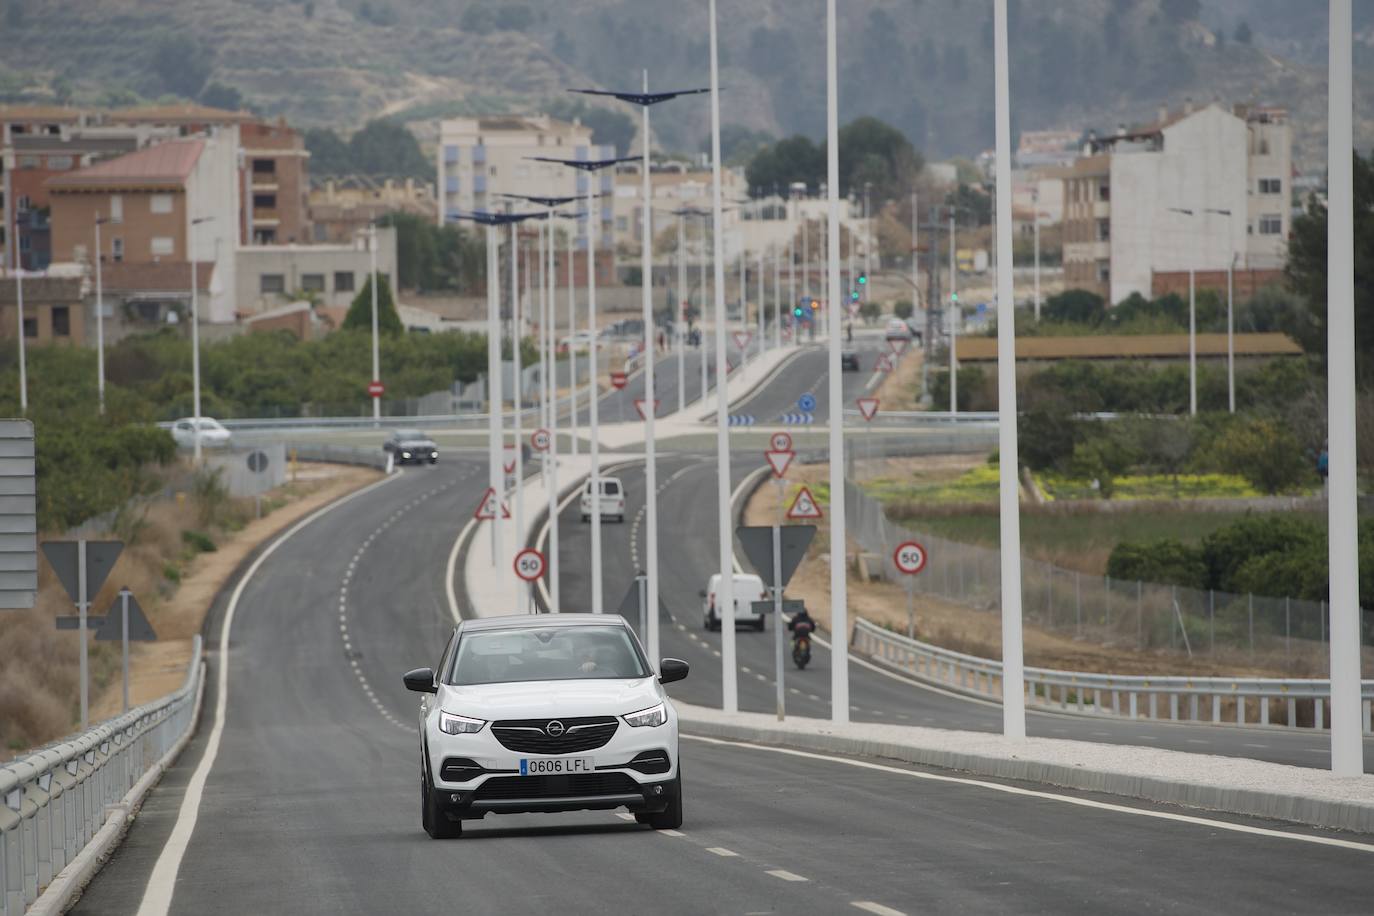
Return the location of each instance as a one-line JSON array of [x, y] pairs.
[[546, 654], [408, 435]]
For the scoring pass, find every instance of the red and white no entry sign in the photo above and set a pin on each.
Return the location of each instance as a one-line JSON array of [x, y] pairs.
[[529, 564], [781, 442], [909, 558], [376, 389], [619, 380], [539, 440]]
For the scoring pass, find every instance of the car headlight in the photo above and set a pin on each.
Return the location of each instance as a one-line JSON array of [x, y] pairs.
[[405, 454], [450, 724], [434, 454], [654, 715]]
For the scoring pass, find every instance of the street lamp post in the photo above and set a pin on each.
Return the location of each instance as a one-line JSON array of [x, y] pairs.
[[376, 347], [680, 321], [195, 337], [1036, 231], [99, 319], [953, 314], [23, 369]]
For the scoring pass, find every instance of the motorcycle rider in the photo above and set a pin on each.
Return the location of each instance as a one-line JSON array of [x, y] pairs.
[[801, 624]]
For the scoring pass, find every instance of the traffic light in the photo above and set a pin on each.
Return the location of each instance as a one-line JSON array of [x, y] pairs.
[[815, 304], [854, 295], [796, 311], [863, 279]]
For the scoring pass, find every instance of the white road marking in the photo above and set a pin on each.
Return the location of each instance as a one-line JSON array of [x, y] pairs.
[[1051, 796], [868, 906], [671, 833], [157, 896], [786, 875], [1262, 746], [722, 852]]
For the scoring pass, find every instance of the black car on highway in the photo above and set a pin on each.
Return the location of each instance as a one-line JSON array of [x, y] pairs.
[[410, 446], [849, 361]]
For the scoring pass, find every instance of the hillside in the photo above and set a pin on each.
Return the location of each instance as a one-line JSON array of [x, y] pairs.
[[920, 64]]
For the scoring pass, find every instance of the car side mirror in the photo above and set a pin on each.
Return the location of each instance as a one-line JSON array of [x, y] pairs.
[[421, 680], [672, 669]]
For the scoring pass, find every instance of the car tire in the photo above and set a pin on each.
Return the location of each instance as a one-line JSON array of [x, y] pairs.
[[761, 625], [670, 818], [432, 817]]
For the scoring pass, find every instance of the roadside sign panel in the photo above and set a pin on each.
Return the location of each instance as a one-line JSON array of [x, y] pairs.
[[376, 389], [100, 559], [619, 380], [487, 508], [529, 564], [884, 364], [897, 346], [790, 606], [257, 462], [639, 406], [868, 407], [112, 629], [806, 403], [757, 542], [539, 440], [18, 517], [73, 622], [804, 506], [779, 461], [781, 442], [742, 339], [909, 558]]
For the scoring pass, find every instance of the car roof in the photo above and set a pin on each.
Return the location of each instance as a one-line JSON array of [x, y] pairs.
[[516, 621]]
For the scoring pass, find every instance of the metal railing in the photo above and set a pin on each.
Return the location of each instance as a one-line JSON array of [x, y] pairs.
[[55, 800], [370, 457], [1227, 700]]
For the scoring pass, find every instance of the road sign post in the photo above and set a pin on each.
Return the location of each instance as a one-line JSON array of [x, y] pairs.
[[910, 559], [529, 565], [82, 567], [375, 389], [775, 552], [129, 624]]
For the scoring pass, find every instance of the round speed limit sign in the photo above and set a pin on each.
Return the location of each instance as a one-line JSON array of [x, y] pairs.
[[781, 442], [909, 558], [529, 564], [539, 439]]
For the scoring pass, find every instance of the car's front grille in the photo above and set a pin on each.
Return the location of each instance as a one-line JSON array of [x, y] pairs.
[[531, 736], [577, 785]]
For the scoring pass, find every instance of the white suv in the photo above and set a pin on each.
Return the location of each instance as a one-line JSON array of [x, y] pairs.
[[612, 502], [746, 589], [544, 714]]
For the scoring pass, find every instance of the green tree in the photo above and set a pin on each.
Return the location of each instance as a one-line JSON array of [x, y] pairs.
[[359, 317], [876, 152], [1075, 305], [902, 308], [182, 64], [1306, 268], [387, 148], [1243, 35], [792, 159], [329, 155], [609, 127], [1263, 452], [218, 95]]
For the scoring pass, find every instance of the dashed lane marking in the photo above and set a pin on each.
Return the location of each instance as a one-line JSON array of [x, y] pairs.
[[671, 833], [786, 875], [722, 852], [868, 906]]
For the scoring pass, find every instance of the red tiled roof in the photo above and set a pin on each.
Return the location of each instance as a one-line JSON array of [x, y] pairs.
[[164, 163], [23, 114], [158, 277]]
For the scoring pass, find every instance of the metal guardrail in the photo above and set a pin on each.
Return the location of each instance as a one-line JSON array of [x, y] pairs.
[[55, 800], [1094, 694], [339, 454]]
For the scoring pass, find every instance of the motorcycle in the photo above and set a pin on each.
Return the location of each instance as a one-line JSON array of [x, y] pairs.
[[801, 644]]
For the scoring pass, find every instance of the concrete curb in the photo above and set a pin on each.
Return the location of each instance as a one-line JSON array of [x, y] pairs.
[[68, 884], [1281, 798]]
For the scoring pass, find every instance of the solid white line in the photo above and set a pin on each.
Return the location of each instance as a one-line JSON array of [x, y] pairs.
[[1051, 796], [157, 897], [670, 833], [785, 875], [449, 571], [722, 852], [868, 906]]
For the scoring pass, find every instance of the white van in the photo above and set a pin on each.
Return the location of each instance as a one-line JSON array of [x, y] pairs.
[[612, 502], [746, 589]]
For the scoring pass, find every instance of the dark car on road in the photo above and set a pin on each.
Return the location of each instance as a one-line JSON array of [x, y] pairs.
[[849, 361], [410, 446]]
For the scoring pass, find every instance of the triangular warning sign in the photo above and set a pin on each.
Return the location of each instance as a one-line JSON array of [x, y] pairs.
[[779, 461], [505, 510], [639, 406], [742, 339], [868, 407], [140, 630], [729, 367], [486, 509], [897, 344], [509, 466], [884, 364], [804, 506]]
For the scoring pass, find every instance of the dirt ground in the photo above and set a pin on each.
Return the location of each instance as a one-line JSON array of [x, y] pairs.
[[958, 627], [901, 390], [158, 668]]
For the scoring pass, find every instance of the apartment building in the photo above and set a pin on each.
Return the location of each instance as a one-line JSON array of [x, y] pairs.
[[481, 158], [145, 203], [1197, 190], [331, 275], [53, 310], [673, 186], [342, 207]]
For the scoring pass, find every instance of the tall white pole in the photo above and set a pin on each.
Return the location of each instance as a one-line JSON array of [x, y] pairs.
[[792, 284], [1192, 342], [680, 319], [518, 406], [594, 395], [839, 599], [1347, 752], [1231, 333], [777, 298], [495, 473], [99, 323], [725, 592], [23, 368], [915, 261], [1037, 266], [953, 321], [572, 334], [646, 285], [552, 388], [376, 351], [195, 344], [1013, 697], [701, 298]]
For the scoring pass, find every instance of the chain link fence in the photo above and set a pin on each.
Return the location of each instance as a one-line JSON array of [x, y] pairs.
[[1287, 633]]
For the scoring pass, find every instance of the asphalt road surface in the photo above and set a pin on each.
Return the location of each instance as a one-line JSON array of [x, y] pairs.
[[807, 373], [311, 804], [688, 557]]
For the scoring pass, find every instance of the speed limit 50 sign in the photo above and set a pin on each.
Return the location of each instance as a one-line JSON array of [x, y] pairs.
[[529, 564], [909, 558]]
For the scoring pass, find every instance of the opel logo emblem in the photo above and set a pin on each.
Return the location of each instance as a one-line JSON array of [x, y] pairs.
[[554, 729]]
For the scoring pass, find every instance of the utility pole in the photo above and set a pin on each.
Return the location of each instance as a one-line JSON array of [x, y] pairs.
[[953, 321], [376, 353], [195, 338], [99, 320]]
